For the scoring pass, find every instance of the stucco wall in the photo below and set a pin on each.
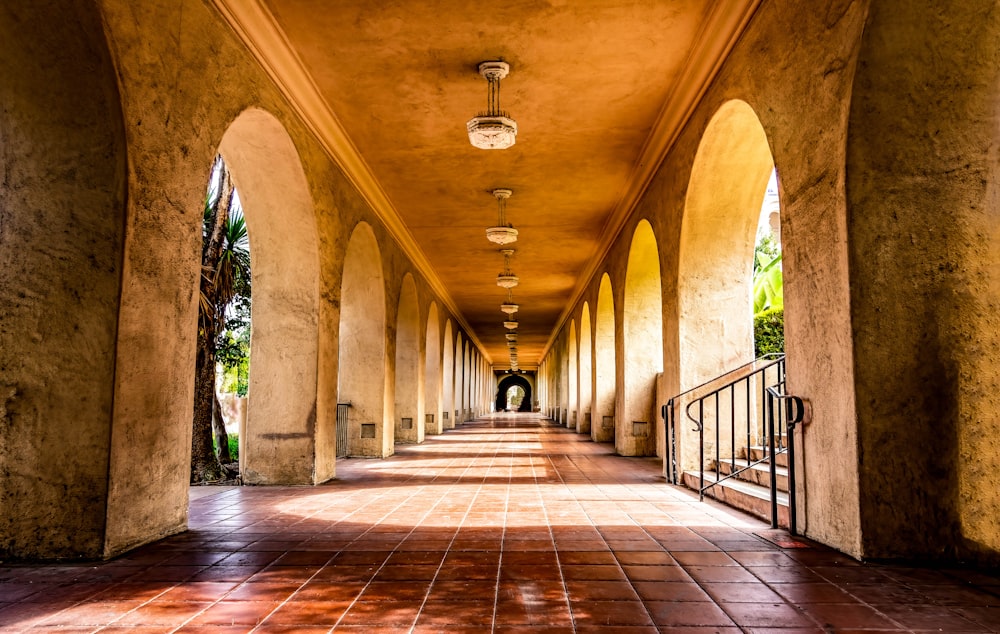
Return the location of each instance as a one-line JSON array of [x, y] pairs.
[[62, 197], [101, 265], [800, 89], [923, 234]]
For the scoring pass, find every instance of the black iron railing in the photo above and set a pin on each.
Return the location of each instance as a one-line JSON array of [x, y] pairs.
[[343, 411], [731, 414], [794, 413]]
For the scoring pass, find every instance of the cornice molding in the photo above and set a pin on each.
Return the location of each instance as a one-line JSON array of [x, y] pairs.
[[256, 27], [717, 37]]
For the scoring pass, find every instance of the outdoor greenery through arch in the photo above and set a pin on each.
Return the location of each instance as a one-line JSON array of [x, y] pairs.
[[223, 320], [768, 281]]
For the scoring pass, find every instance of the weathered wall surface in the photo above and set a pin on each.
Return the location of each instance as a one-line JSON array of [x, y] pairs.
[[800, 89], [62, 198], [925, 289], [100, 269]]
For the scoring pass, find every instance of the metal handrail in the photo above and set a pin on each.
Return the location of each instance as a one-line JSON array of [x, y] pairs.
[[667, 411], [740, 389], [772, 356], [794, 414]]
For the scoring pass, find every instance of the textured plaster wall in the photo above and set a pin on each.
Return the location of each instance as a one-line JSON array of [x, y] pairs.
[[604, 361], [432, 372], [923, 183], [281, 432], [62, 202], [586, 365], [102, 198], [642, 343], [800, 88], [409, 388]]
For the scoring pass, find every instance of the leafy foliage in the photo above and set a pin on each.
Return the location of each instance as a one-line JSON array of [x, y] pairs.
[[769, 332], [225, 278]]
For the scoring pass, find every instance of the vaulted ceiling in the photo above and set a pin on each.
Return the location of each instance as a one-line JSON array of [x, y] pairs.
[[599, 89]]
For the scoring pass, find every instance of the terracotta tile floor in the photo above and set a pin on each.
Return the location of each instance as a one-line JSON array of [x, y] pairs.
[[505, 525]]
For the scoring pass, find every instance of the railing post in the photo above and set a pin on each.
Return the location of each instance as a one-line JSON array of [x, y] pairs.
[[701, 451], [795, 416], [773, 460]]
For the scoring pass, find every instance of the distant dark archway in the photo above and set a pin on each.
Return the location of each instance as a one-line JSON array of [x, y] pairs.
[[508, 382]]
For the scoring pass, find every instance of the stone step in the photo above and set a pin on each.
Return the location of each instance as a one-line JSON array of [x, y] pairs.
[[757, 474], [746, 496], [757, 452]]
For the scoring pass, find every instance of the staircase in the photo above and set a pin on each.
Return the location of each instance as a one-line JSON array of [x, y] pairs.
[[729, 439], [750, 488]]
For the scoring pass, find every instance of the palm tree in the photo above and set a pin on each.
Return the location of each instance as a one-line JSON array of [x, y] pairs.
[[225, 275]]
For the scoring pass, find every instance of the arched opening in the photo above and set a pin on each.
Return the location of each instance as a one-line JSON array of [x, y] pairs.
[[284, 344], [432, 373], [602, 428], [642, 336], [503, 394], [507, 383], [729, 179], [362, 375], [515, 397], [585, 389], [563, 385], [459, 378], [573, 378], [62, 234], [223, 331], [715, 276], [448, 379], [466, 379], [409, 391]]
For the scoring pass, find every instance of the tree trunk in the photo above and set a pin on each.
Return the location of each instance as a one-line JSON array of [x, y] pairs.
[[221, 437], [205, 465]]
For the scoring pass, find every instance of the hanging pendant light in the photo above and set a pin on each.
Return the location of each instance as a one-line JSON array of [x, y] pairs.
[[507, 279], [503, 233], [494, 129], [510, 325], [509, 306]]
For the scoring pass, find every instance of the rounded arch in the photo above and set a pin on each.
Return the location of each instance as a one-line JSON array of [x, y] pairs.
[[284, 346], [409, 389], [508, 382], [572, 376], [466, 378], [602, 428], [448, 379], [432, 372], [586, 371], [459, 378], [642, 339], [362, 369], [728, 180]]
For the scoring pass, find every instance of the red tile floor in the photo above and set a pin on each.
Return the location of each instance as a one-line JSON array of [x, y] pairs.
[[503, 525]]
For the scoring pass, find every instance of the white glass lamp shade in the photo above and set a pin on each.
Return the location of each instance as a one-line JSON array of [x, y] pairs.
[[501, 235], [507, 280], [492, 132]]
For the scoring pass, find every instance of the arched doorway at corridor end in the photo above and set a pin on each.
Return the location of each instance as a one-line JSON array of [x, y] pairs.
[[509, 381]]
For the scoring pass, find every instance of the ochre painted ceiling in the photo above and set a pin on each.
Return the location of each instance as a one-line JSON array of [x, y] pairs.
[[591, 83]]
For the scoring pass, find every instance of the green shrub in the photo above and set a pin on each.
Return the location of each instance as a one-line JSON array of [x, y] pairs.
[[769, 332], [234, 446]]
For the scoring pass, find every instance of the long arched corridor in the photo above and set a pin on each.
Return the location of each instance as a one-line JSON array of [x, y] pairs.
[[620, 300], [510, 524]]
